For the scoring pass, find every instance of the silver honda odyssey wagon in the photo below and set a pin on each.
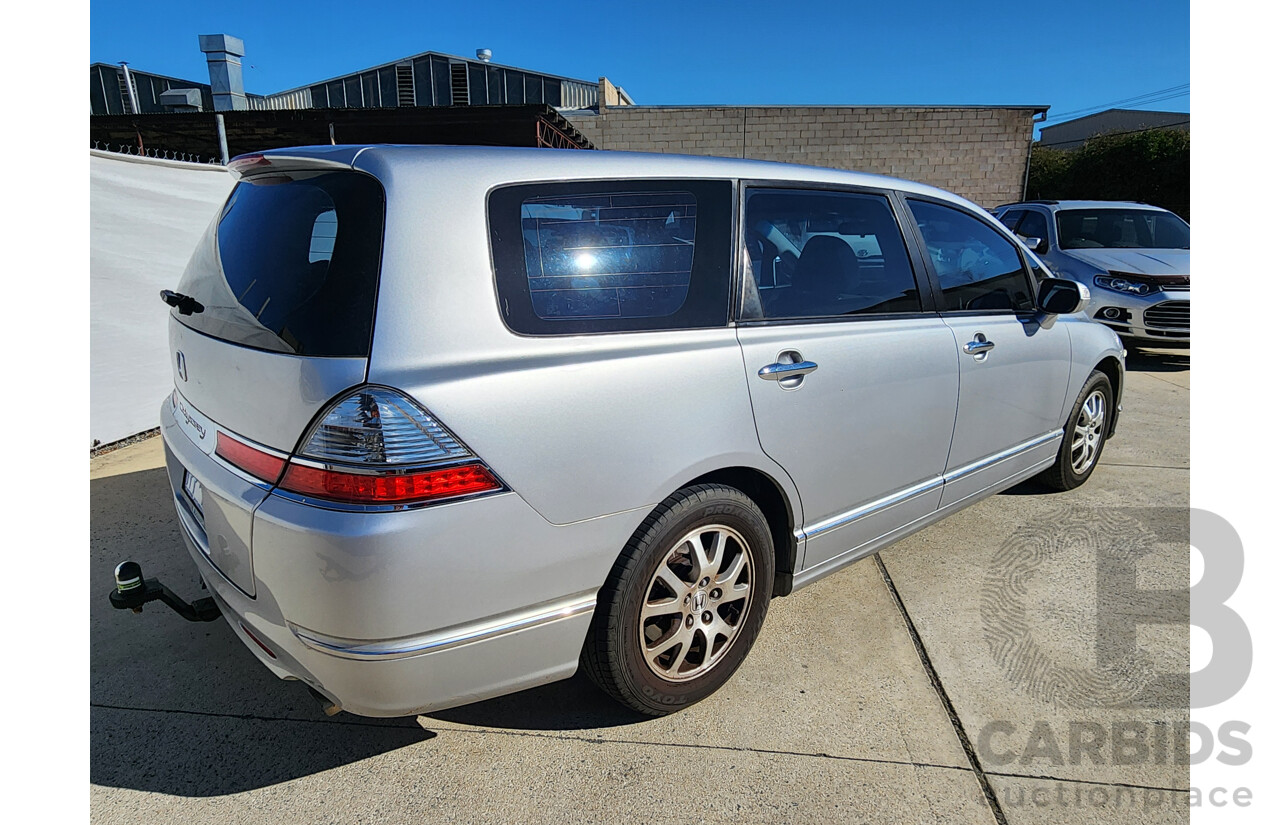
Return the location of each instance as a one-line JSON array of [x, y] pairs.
[[451, 422]]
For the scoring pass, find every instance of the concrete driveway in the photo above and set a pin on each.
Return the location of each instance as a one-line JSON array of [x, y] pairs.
[[1010, 664]]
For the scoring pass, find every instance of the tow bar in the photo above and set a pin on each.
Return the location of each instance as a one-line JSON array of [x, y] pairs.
[[132, 592]]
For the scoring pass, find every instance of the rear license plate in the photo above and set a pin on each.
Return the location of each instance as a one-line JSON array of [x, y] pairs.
[[194, 490]]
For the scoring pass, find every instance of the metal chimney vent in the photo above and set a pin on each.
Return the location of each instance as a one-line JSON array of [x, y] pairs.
[[484, 55]]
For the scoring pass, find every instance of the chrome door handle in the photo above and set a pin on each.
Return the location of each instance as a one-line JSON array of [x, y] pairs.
[[779, 371], [979, 345]]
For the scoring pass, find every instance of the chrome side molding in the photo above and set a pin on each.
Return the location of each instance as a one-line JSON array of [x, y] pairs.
[[862, 511], [484, 630], [983, 463]]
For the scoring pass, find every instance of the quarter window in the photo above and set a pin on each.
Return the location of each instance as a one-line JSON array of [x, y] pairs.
[[574, 258], [978, 268], [1010, 218], [825, 254]]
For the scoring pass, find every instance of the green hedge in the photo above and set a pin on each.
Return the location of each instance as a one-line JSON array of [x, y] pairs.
[[1152, 167]]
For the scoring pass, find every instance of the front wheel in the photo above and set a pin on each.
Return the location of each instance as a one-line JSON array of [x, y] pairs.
[[684, 601], [1084, 436]]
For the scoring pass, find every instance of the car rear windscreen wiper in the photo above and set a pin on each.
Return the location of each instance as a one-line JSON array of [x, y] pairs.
[[185, 304]]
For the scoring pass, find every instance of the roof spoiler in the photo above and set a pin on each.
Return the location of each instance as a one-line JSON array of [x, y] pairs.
[[258, 163]]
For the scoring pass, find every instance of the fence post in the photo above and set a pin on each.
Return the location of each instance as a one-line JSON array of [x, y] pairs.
[[222, 138]]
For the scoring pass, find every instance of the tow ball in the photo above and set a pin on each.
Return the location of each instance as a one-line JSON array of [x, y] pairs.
[[132, 592]]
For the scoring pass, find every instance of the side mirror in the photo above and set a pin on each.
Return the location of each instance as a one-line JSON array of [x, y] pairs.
[[1037, 245], [1058, 296]]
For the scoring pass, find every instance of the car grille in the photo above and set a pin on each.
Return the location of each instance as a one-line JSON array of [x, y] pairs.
[[1169, 314], [1176, 287]]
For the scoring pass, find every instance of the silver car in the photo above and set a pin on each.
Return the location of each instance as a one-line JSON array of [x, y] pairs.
[[1136, 258], [453, 422]]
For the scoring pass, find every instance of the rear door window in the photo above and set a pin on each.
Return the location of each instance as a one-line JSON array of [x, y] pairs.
[[612, 256], [821, 254], [291, 265]]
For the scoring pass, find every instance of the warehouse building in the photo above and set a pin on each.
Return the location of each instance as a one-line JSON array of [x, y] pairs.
[[1071, 134], [981, 152]]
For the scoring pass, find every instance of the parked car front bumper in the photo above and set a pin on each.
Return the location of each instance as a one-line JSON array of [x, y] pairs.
[[1161, 319]]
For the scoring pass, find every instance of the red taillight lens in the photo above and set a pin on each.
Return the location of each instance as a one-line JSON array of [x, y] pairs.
[[253, 461], [359, 488]]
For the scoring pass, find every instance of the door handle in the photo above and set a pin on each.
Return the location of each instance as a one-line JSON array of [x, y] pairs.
[[779, 371], [979, 345]]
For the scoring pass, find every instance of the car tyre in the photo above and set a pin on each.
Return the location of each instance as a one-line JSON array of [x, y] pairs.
[[1085, 435], [684, 602]]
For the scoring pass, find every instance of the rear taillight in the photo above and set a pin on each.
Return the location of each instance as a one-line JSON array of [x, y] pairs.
[[426, 485], [252, 460], [376, 446]]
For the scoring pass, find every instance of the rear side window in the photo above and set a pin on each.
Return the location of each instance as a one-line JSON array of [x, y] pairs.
[[611, 256], [291, 265]]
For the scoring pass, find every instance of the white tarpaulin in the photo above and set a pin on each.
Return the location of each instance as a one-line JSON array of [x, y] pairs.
[[145, 217]]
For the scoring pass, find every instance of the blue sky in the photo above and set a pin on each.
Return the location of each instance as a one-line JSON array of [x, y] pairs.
[[1072, 55]]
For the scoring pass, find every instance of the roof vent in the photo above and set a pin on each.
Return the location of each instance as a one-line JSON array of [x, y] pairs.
[[484, 54]]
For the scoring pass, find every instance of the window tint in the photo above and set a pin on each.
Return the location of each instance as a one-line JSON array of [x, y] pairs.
[[609, 257], [623, 255], [291, 265], [822, 254], [977, 267], [1034, 225]]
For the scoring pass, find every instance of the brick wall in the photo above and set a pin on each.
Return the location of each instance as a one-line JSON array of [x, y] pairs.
[[980, 153]]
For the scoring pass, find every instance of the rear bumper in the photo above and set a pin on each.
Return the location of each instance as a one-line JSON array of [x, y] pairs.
[[393, 614]]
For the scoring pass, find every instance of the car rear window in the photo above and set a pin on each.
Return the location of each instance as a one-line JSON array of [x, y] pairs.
[[291, 265], [612, 256]]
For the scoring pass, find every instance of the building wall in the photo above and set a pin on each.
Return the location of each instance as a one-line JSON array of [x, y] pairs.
[[980, 153]]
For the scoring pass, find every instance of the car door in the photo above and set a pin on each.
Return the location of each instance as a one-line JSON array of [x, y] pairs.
[[853, 379], [1014, 366]]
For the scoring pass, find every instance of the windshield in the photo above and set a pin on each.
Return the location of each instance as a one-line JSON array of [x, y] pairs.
[[1122, 229]]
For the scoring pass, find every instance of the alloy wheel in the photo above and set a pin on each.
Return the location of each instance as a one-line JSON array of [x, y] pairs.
[[1087, 438], [696, 603]]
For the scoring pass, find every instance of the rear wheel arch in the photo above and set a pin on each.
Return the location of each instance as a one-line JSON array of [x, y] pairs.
[[655, 653], [776, 506]]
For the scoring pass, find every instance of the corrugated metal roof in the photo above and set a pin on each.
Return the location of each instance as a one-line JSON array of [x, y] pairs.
[[451, 57]]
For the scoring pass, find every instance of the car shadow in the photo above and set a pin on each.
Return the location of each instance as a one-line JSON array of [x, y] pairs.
[[574, 704], [185, 709], [1030, 487], [195, 754], [1141, 360]]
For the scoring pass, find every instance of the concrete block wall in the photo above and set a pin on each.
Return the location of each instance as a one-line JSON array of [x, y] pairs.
[[980, 153]]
